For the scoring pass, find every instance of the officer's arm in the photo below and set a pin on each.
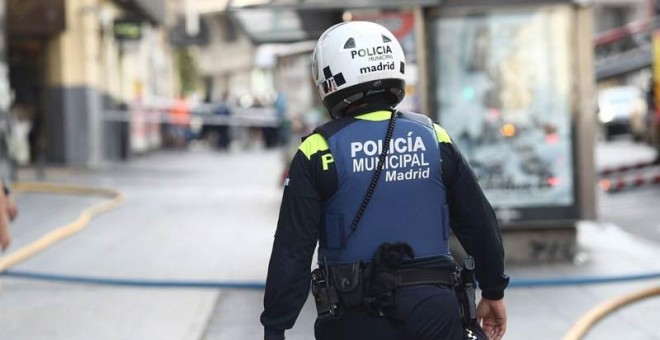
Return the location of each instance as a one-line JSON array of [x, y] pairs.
[[287, 286], [473, 221]]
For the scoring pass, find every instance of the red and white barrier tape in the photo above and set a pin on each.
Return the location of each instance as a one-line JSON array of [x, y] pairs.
[[614, 185], [624, 168]]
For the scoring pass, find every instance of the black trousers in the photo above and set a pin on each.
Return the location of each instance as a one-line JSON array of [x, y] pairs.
[[430, 313]]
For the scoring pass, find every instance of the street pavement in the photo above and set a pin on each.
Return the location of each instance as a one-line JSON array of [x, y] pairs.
[[630, 208], [205, 215]]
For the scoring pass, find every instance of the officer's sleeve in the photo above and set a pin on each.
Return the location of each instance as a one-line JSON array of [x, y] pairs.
[[472, 219], [288, 282]]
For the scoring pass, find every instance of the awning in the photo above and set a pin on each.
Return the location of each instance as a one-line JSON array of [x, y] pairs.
[[21, 16], [154, 10], [283, 21], [336, 4]]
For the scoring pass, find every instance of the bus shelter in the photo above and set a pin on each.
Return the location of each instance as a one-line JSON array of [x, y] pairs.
[[512, 81]]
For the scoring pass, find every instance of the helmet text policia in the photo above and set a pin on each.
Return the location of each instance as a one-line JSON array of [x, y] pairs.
[[353, 60]]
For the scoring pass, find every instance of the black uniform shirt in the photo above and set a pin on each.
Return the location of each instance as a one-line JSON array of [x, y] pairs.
[[472, 219]]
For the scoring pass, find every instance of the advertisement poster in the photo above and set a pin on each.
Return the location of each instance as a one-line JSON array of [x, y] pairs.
[[503, 94]]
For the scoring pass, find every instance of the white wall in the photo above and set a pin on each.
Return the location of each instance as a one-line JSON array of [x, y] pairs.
[[226, 60]]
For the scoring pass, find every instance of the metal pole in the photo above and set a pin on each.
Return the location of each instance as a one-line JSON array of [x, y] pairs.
[[655, 86], [422, 62], [585, 120]]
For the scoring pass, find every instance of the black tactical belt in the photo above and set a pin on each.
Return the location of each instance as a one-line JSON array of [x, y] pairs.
[[422, 276]]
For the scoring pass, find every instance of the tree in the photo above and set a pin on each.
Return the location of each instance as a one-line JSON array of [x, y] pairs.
[[186, 64]]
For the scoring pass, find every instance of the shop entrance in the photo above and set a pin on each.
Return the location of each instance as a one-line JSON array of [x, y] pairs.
[[25, 58]]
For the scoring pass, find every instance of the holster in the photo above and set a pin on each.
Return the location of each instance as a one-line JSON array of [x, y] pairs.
[[465, 285]]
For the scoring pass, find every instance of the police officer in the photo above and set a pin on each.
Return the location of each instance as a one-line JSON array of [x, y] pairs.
[[382, 232]]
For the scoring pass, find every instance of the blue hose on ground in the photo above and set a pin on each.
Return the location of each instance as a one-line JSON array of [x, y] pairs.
[[132, 282], [575, 281], [515, 283]]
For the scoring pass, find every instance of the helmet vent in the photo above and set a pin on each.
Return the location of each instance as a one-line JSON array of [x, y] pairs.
[[386, 39], [350, 43]]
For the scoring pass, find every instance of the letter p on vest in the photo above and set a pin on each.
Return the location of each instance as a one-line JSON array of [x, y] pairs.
[[326, 160]]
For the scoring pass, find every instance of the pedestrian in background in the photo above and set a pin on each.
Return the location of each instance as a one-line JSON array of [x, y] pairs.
[[223, 111], [8, 212], [179, 127], [385, 271]]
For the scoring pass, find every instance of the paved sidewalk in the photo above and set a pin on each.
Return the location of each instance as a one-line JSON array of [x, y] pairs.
[[203, 215], [199, 215]]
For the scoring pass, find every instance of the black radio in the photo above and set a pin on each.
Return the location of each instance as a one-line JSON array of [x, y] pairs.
[[325, 295]]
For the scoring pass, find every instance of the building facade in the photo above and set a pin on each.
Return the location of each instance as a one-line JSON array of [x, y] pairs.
[[88, 56], [228, 60]]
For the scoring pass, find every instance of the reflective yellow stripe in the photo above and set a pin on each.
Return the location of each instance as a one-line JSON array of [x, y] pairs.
[[313, 144], [443, 136], [375, 116]]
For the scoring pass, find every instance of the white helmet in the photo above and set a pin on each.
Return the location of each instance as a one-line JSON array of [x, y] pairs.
[[356, 59]]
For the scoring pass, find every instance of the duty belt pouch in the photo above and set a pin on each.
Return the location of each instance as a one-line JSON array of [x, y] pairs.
[[350, 283]]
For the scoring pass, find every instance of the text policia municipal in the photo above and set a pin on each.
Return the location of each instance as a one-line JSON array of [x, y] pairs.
[[374, 53], [405, 159]]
